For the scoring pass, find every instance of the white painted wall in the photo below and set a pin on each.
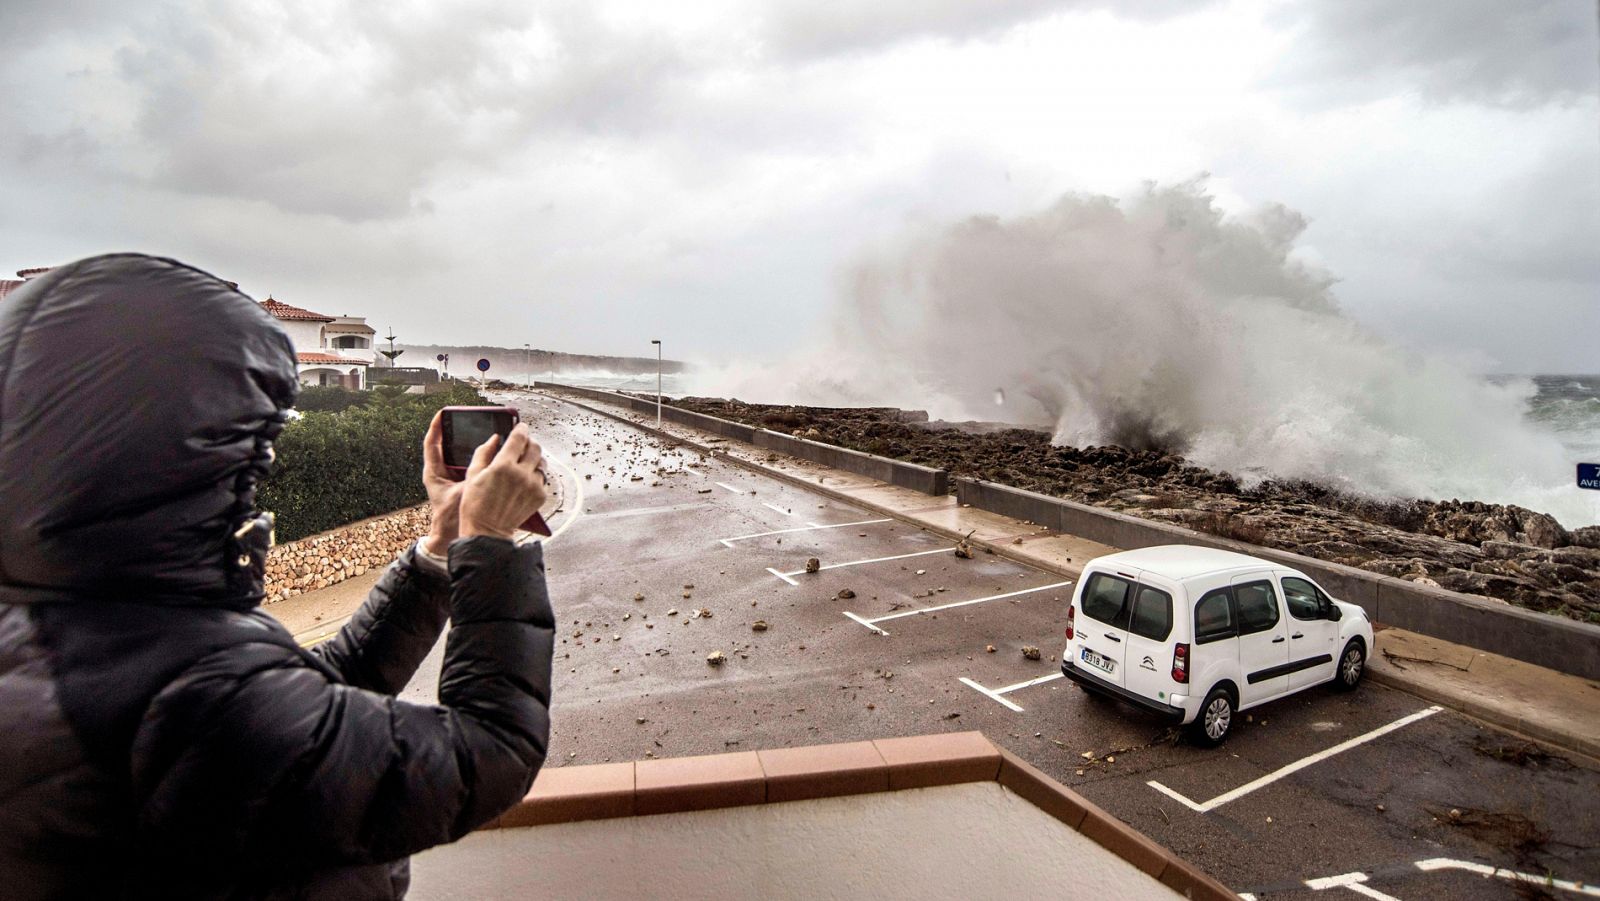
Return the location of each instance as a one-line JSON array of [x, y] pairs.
[[977, 840], [307, 336]]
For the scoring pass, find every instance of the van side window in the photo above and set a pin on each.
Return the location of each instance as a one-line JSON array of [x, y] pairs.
[[1152, 614], [1258, 607], [1302, 598], [1105, 598], [1213, 616]]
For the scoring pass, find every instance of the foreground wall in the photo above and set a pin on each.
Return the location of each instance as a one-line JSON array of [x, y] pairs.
[[1488, 625]]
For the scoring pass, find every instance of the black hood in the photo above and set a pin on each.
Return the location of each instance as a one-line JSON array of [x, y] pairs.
[[139, 398]]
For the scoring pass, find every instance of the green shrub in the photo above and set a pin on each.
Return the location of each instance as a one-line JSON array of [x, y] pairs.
[[328, 399], [338, 466]]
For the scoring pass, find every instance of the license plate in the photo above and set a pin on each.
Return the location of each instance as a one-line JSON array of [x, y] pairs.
[[1099, 662]]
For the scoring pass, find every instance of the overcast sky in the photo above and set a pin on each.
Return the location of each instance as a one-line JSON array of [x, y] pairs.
[[588, 176]]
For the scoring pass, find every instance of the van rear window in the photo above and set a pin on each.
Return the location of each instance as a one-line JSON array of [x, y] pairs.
[[1105, 598], [1152, 614]]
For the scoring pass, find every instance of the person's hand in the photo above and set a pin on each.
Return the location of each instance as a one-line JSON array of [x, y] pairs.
[[444, 493], [502, 490]]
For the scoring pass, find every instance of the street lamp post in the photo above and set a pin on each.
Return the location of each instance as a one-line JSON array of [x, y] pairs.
[[527, 366], [657, 343]]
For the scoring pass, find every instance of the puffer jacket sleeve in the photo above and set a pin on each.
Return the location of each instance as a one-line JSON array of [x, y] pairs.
[[384, 643], [257, 754]]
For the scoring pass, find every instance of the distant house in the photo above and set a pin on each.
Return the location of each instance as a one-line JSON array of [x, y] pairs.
[[330, 350]]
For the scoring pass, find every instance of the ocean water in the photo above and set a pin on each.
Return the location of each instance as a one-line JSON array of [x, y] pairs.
[[1569, 407]]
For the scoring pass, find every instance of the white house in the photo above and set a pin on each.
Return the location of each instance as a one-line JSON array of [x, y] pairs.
[[330, 350]]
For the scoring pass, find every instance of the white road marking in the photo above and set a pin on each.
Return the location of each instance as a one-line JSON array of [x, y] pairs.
[[728, 487], [806, 528], [991, 694], [778, 508], [692, 472], [942, 550], [1295, 767], [993, 597], [1351, 881], [1566, 885], [865, 622], [999, 694], [1030, 683], [1246, 896], [782, 576]]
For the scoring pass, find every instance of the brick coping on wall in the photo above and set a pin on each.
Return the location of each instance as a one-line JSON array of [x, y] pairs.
[[683, 784]]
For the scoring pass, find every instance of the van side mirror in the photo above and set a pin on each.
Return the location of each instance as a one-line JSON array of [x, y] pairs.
[[1333, 613]]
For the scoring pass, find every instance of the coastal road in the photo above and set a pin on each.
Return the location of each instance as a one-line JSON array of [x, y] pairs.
[[669, 557]]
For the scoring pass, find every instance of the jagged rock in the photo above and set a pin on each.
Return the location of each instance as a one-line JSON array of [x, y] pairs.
[[1588, 536]]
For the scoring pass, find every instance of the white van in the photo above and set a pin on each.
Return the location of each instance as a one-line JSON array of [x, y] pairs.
[[1197, 634]]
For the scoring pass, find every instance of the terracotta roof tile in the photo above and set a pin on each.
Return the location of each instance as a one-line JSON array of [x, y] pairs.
[[7, 285], [282, 310]]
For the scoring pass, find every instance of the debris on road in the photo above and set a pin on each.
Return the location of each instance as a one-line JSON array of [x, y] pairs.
[[813, 565], [759, 625], [638, 597], [1030, 652], [846, 594], [963, 549], [673, 612], [716, 658], [989, 648]]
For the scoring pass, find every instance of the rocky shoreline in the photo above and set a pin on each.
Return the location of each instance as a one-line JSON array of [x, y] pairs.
[[1497, 551]]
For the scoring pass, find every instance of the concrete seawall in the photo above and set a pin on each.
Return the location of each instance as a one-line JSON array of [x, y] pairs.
[[906, 475], [1488, 625]]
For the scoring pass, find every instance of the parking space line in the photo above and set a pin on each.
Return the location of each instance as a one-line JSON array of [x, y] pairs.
[[991, 693], [1295, 767], [865, 622], [1351, 881], [999, 694], [784, 576], [810, 526], [1567, 885], [778, 508], [872, 622], [728, 487]]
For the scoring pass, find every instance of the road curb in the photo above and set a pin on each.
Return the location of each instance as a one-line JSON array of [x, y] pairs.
[[999, 550], [1458, 701], [1493, 716]]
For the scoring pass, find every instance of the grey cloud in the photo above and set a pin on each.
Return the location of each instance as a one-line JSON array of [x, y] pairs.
[[354, 113], [1515, 54], [806, 29]]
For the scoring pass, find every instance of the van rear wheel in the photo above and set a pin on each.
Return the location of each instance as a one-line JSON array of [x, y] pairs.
[[1210, 728]]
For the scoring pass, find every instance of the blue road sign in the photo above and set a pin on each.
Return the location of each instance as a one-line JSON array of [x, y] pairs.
[[1589, 475], [483, 365]]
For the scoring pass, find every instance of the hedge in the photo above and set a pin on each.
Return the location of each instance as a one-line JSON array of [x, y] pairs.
[[339, 465]]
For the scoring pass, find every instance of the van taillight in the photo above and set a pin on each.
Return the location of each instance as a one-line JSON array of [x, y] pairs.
[[1180, 663], [1070, 616]]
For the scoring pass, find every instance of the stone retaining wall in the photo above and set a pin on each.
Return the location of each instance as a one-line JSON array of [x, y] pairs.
[[896, 472], [331, 557]]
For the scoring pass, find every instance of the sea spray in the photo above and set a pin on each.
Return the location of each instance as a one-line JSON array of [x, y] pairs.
[[1160, 322]]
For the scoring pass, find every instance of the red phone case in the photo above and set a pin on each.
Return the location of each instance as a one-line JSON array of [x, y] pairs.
[[534, 523]]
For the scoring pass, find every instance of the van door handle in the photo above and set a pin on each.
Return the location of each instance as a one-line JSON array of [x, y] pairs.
[[1112, 637], [1297, 635], [1278, 640]]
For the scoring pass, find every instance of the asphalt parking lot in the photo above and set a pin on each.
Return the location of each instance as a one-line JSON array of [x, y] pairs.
[[663, 557]]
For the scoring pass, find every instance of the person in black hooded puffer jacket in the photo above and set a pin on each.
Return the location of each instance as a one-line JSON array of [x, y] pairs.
[[160, 735]]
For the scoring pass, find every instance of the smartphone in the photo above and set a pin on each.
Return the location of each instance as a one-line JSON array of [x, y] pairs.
[[465, 430]]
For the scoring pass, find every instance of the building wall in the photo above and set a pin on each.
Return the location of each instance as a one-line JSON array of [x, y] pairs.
[[977, 840], [307, 336]]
